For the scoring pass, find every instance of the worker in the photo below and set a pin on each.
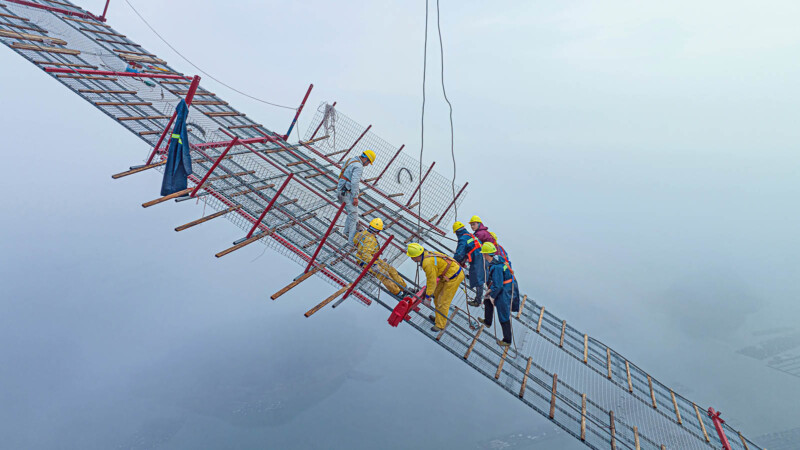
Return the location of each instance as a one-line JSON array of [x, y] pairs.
[[499, 295], [514, 286], [347, 189], [467, 251], [366, 244], [480, 230], [443, 276]]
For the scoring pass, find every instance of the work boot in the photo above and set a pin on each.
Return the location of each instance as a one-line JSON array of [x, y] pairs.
[[506, 326], [436, 329], [474, 303], [483, 322], [432, 318], [503, 343]]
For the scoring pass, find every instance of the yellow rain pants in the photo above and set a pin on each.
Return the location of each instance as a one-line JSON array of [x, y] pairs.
[[443, 276], [366, 246]]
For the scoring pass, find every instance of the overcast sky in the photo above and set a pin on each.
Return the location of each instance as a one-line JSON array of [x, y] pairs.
[[638, 160]]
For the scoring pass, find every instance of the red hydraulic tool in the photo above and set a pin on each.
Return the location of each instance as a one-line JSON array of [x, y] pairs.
[[403, 309]]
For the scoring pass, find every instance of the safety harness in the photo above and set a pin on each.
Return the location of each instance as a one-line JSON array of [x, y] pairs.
[[449, 260], [349, 163], [476, 245]]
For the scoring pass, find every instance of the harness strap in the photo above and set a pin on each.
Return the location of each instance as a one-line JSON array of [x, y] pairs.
[[349, 163], [178, 137]]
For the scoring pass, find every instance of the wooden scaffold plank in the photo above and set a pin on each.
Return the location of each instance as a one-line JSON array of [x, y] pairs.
[[85, 21], [539, 323], [31, 37], [563, 330], [449, 319], [608, 361], [105, 91], [586, 349], [45, 49], [500, 364], [677, 411], [525, 377], [296, 282], [636, 437], [583, 417], [123, 119], [11, 16], [613, 431], [138, 169], [166, 197], [553, 397], [652, 392], [77, 66], [107, 33], [333, 297], [628, 372], [522, 305], [474, 341], [224, 114], [244, 243], [702, 425], [207, 218]]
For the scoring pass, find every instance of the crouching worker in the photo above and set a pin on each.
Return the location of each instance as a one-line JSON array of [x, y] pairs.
[[499, 295], [468, 251], [514, 286], [443, 276], [366, 244]]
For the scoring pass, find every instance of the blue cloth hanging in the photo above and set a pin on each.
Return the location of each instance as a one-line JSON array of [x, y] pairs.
[[179, 159]]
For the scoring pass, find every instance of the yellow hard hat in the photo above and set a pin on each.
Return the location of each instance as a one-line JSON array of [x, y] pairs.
[[488, 248], [493, 235], [370, 155], [414, 250], [457, 226], [377, 223], [475, 219]]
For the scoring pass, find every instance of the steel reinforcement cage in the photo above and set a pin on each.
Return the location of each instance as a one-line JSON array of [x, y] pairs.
[[583, 386]]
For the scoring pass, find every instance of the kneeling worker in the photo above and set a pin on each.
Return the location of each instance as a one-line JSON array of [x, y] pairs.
[[366, 243], [499, 295], [443, 276]]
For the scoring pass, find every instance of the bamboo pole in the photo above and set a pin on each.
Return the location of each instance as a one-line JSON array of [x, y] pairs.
[[166, 197], [586, 349], [296, 282], [702, 425], [474, 341], [40, 48], [563, 329], [452, 315], [207, 218], [500, 365], [313, 310], [628, 371], [539, 324], [244, 243], [521, 305], [525, 377], [250, 191], [744, 442], [137, 170], [613, 431], [608, 360], [675, 404], [636, 437], [652, 393], [583, 417]]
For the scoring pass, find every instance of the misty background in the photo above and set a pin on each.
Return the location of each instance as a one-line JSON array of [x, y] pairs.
[[638, 161]]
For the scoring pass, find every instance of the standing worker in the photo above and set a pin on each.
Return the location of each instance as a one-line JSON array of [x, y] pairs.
[[443, 276], [480, 230], [467, 252], [514, 286], [347, 189], [366, 243], [499, 295]]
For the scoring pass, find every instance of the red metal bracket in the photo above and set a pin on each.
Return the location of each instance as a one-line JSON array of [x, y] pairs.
[[324, 238], [299, 110], [354, 144], [269, 205], [718, 425], [452, 203], [420, 184], [214, 166], [403, 309], [105, 10], [366, 268], [189, 97]]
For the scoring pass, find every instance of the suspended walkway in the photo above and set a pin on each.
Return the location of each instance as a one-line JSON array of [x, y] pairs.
[[280, 194]]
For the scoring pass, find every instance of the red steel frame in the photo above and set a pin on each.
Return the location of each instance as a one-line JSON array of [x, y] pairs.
[[354, 144], [214, 166], [189, 97], [452, 203], [105, 10], [299, 110], [56, 10], [367, 267], [413, 194], [389, 164], [718, 425], [269, 205], [324, 238], [116, 74], [320, 123]]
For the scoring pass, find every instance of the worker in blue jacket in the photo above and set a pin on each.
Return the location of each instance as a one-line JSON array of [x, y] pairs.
[[514, 286], [467, 252], [499, 296]]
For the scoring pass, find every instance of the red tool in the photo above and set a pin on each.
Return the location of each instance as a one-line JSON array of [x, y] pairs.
[[405, 306]]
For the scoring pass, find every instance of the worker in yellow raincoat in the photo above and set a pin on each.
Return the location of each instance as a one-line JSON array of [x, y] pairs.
[[443, 275], [366, 243]]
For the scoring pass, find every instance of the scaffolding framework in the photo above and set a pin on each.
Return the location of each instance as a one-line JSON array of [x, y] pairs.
[[282, 195]]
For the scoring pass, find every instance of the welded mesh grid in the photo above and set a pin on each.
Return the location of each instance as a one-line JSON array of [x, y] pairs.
[[403, 175]]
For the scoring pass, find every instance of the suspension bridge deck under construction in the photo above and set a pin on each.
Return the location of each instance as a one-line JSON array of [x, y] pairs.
[[281, 194]]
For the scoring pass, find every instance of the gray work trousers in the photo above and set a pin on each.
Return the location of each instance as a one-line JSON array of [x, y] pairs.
[[351, 213]]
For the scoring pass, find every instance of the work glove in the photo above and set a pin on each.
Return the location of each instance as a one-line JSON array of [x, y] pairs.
[[427, 300]]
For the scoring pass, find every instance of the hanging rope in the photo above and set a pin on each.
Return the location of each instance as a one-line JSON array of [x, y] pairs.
[[201, 70], [450, 105], [422, 132]]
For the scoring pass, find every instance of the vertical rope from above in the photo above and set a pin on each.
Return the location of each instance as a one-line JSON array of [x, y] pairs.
[[422, 131], [450, 105]]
